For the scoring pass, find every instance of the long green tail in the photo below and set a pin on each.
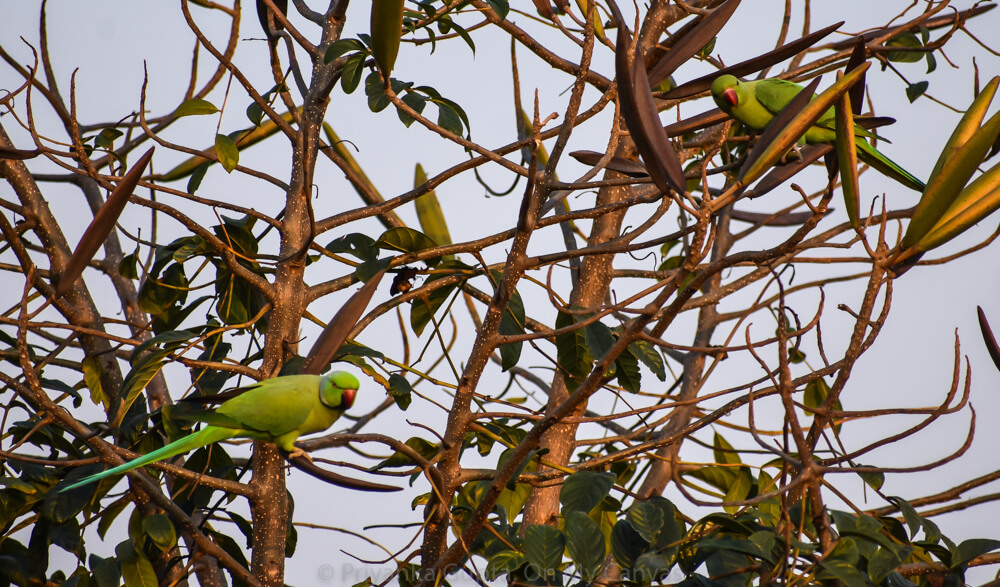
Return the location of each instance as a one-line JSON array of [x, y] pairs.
[[886, 166], [203, 437]]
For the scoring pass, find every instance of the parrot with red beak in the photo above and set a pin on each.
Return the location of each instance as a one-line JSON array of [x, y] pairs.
[[277, 410], [756, 103]]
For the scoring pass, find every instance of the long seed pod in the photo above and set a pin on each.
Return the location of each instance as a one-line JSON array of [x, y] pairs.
[[776, 130], [619, 164], [944, 189], [988, 338], [339, 327], [429, 211], [386, 30], [967, 126], [977, 201], [102, 225], [692, 42], [640, 113], [782, 173], [847, 157]]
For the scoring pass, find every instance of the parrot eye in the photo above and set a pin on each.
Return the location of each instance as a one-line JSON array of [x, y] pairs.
[[731, 97]]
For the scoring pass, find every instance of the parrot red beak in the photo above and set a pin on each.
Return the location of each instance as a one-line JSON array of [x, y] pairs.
[[348, 398], [730, 96]]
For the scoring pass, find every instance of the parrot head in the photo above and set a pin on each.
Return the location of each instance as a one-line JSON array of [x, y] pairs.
[[724, 92], [337, 390]]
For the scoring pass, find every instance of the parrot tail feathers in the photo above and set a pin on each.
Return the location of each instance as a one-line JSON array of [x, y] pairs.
[[203, 437], [886, 166]]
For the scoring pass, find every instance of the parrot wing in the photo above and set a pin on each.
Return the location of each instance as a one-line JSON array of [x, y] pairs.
[[274, 406], [775, 94]]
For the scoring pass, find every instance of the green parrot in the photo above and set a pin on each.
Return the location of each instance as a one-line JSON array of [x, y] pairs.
[[278, 410], [756, 103]]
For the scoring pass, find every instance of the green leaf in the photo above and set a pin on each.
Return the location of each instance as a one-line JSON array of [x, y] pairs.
[[511, 322], [400, 390], [195, 107], [400, 459], [449, 119], [227, 152], [585, 543], [543, 547], [129, 267], [194, 182], [847, 573], [60, 507], [584, 490], [104, 571], [513, 499], [885, 561], [769, 509], [914, 91], [909, 41], [160, 530], [719, 477], [647, 519], [423, 309], [351, 76], [647, 353], [92, 379], [418, 103], [815, 393], [377, 98], [19, 485], [626, 544], [341, 47], [572, 352], [913, 519], [706, 51], [651, 566], [504, 562], [404, 240], [255, 114], [672, 529], [137, 571], [627, 372], [141, 374], [355, 244], [599, 339], [501, 7], [723, 451], [106, 138], [873, 479], [739, 490], [67, 536], [108, 516], [970, 549]]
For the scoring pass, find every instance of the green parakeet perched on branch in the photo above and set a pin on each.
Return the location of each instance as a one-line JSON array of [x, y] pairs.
[[756, 103], [277, 410]]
